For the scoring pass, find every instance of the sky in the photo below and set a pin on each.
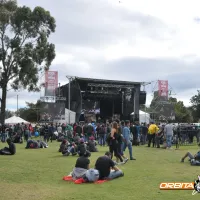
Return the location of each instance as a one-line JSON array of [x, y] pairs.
[[131, 40]]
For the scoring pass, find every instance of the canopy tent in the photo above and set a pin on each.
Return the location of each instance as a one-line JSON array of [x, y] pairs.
[[144, 117], [15, 120]]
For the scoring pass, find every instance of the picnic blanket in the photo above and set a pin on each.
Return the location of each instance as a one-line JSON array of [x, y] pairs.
[[81, 180]]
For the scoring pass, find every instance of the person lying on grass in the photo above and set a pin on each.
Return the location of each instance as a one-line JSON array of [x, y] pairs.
[[11, 150], [33, 144], [192, 159], [107, 168]]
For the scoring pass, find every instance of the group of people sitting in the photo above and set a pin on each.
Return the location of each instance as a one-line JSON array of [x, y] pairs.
[[104, 169], [79, 147], [31, 144]]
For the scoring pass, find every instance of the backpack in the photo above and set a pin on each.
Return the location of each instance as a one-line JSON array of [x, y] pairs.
[[102, 130], [108, 130], [108, 138]]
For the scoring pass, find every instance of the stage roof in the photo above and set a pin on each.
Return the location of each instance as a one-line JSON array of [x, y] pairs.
[[82, 80]]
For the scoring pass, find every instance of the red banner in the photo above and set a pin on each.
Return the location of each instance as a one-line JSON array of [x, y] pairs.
[[163, 88], [51, 82]]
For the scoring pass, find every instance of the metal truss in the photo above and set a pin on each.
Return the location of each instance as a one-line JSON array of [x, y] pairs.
[[102, 92], [48, 98], [110, 85]]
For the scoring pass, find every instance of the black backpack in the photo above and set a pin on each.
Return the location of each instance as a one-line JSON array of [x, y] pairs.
[[108, 138], [102, 130]]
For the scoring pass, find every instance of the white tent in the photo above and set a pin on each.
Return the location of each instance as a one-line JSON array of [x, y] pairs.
[[15, 120], [144, 117]]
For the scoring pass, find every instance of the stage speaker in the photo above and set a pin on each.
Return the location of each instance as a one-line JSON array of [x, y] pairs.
[[105, 108], [143, 96]]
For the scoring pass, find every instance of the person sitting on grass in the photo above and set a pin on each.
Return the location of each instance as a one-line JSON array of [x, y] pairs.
[[82, 147], [192, 159], [17, 138], [63, 146], [76, 139], [91, 145], [11, 150], [81, 166], [107, 168], [70, 148]]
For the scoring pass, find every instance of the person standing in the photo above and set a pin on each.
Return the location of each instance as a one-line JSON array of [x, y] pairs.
[[159, 135], [113, 143], [169, 132], [127, 139], [51, 132], [102, 133], [153, 129], [144, 134]]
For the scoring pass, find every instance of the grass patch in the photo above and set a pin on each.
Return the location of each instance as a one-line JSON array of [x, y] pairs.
[[37, 174]]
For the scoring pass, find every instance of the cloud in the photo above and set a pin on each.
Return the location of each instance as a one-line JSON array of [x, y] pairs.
[[142, 40]]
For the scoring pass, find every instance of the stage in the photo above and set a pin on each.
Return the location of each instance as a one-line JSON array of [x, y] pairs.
[[111, 97]]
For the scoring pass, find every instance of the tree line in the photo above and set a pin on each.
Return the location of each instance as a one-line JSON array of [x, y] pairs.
[[183, 114]]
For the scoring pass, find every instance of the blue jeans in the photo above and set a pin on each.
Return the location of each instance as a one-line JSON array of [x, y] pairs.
[[86, 138], [3, 137], [71, 150], [129, 145], [144, 139], [102, 139], [169, 140], [115, 174], [122, 149]]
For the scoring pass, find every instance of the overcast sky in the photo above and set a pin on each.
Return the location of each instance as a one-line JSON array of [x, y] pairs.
[[146, 40]]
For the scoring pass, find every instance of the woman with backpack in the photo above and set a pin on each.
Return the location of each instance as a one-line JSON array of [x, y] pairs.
[[114, 141]]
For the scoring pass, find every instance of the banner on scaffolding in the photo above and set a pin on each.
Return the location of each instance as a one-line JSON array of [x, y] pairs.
[[51, 83], [163, 89]]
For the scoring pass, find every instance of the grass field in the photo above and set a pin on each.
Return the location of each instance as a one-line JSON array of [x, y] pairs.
[[37, 175]]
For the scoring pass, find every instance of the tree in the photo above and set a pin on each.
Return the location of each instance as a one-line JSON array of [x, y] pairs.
[[24, 46], [182, 113], [195, 108], [9, 114], [31, 112]]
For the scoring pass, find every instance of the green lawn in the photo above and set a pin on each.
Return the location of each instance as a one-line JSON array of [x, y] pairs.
[[37, 175]]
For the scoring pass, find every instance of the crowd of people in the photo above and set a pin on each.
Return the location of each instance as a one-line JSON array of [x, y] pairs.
[[82, 139]]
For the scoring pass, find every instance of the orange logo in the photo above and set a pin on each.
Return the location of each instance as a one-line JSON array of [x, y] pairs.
[[177, 186]]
